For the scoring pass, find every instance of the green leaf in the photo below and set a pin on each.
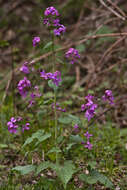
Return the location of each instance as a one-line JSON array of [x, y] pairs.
[[92, 164], [48, 45], [40, 115], [88, 179], [59, 61], [43, 166], [123, 132], [75, 119], [76, 139], [24, 169], [3, 146], [65, 120], [95, 176], [54, 149], [43, 138], [69, 146], [39, 135], [65, 172], [52, 85]]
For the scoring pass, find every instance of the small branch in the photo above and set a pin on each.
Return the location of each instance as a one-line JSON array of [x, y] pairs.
[[109, 50], [117, 8], [114, 12], [86, 38]]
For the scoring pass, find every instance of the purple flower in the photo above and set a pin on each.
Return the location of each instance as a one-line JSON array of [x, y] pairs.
[[89, 107], [83, 107], [55, 77], [59, 30], [89, 97], [19, 118], [23, 85], [108, 96], [72, 54], [58, 107], [88, 145], [51, 11], [46, 21], [25, 127], [88, 135], [34, 95], [56, 22], [36, 40], [25, 68], [76, 128], [12, 125]]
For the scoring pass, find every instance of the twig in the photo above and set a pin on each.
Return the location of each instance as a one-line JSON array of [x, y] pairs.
[[110, 9], [108, 109], [68, 46], [109, 50], [117, 8]]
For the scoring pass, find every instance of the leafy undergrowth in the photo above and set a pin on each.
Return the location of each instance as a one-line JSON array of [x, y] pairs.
[[103, 167]]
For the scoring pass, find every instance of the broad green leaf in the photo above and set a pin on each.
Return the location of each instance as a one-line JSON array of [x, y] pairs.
[[40, 115], [54, 149], [92, 164], [123, 132], [42, 166], [24, 169], [65, 120], [65, 172], [43, 138], [75, 119], [88, 178], [3, 146], [39, 135], [95, 176], [76, 139]]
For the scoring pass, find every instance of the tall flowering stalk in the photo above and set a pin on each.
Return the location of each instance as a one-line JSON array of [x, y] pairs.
[[55, 94], [56, 29]]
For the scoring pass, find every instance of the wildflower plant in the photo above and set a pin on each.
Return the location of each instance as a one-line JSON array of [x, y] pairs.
[[79, 135]]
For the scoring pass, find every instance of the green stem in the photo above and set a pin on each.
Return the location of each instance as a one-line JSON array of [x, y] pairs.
[[13, 85], [55, 94]]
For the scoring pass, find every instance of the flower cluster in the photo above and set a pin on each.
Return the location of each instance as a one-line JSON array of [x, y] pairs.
[[51, 20], [87, 145], [36, 40], [89, 107], [23, 85], [108, 97], [51, 11], [76, 128], [55, 77], [72, 54], [58, 107], [60, 30], [25, 127], [33, 95], [25, 68], [13, 125]]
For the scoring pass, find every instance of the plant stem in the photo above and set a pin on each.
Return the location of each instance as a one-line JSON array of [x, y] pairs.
[[55, 94], [13, 85]]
